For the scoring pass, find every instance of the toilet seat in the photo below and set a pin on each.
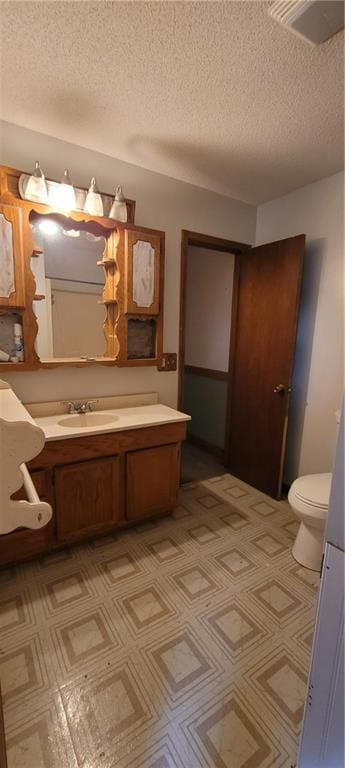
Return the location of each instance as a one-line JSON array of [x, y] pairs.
[[313, 489], [309, 496]]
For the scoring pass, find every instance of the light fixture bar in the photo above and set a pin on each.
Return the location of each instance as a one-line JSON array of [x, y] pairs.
[[80, 195]]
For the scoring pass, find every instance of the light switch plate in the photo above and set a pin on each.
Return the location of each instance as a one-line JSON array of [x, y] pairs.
[[169, 362]]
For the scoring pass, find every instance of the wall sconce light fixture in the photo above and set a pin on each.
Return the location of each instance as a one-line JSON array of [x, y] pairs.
[[63, 194], [67, 198], [93, 203], [118, 210], [36, 188]]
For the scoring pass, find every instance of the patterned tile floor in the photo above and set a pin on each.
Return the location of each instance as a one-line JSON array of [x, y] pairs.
[[183, 643]]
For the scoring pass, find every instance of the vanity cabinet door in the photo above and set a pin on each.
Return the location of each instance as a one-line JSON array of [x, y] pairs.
[[142, 270], [88, 497], [152, 480], [12, 292], [24, 543]]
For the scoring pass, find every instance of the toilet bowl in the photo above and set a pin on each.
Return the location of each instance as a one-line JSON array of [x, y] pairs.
[[309, 499]]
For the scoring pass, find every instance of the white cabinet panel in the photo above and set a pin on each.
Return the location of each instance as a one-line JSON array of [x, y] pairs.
[[322, 742]]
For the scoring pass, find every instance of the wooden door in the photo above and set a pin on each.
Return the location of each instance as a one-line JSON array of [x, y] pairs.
[[152, 480], [88, 497], [263, 335]]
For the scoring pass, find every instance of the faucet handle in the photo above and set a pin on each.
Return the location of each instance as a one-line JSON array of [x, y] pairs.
[[89, 403], [71, 406]]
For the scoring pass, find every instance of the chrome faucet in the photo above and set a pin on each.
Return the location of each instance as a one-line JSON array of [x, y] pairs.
[[79, 407]]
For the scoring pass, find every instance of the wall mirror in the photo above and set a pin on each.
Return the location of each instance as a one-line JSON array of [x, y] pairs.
[[69, 303]]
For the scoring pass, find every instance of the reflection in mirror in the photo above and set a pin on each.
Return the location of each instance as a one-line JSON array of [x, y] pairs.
[[69, 287]]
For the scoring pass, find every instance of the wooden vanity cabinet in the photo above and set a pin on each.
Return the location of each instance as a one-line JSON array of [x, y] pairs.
[[24, 543], [97, 483], [88, 497]]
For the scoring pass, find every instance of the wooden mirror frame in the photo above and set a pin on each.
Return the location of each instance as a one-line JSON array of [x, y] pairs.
[[9, 196], [114, 265], [107, 228]]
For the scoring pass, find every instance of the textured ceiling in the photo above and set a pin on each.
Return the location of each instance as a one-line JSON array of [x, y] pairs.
[[213, 93]]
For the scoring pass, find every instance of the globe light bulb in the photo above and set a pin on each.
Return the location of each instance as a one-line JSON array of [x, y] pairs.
[[93, 203], [36, 188], [118, 210], [65, 194]]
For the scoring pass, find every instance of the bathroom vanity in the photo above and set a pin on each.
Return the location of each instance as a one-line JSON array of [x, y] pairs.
[[99, 476], [85, 290]]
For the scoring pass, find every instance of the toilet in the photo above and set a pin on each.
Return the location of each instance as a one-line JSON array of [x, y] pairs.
[[309, 499]]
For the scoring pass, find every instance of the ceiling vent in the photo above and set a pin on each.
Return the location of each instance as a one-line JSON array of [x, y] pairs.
[[314, 20]]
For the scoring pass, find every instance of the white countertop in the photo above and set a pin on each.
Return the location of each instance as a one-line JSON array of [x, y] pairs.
[[135, 417]]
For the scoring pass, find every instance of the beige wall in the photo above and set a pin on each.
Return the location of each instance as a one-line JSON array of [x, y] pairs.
[[318, 211], [209, 286], [162, 203], [170, 205]]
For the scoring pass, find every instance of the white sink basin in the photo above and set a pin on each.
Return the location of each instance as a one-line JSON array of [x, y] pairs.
[[77, 420]]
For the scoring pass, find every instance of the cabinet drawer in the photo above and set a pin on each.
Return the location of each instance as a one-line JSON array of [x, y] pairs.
[[152, 480]]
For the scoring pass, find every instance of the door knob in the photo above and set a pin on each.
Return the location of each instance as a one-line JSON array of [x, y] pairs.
[[279, 389]]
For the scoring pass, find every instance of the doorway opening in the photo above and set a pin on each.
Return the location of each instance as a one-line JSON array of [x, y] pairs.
[[240, 406], [208, 274]]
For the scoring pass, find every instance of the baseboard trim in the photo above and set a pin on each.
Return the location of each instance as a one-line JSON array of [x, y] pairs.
[[207, 373]]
